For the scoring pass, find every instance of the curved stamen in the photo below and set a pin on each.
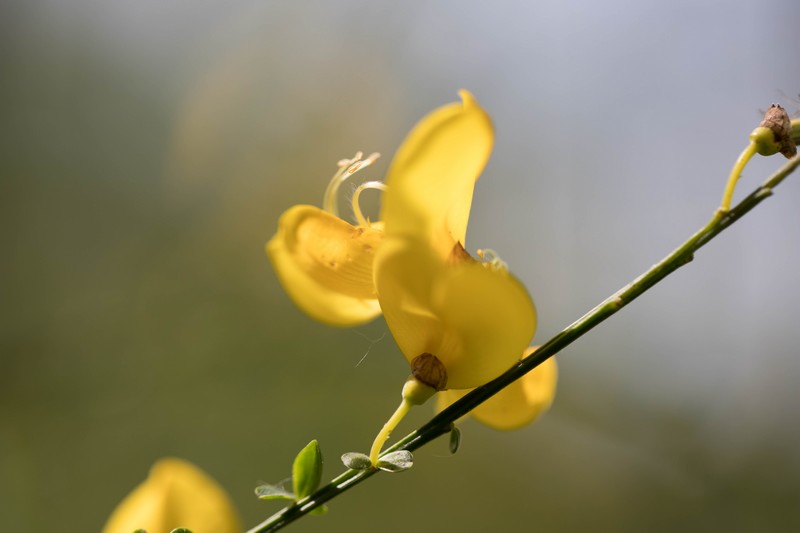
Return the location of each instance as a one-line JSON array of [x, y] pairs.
[[379, 185], [347, 167]]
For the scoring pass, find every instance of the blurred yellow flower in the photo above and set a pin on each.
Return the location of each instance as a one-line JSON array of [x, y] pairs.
[[325, 263], [175, 494], [459, 321], [518, 404]]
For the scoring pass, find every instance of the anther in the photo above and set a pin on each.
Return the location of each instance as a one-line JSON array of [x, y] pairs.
[[357, 163], [492, 260]]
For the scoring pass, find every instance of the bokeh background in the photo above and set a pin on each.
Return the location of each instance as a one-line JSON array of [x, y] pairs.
[[147, 149]]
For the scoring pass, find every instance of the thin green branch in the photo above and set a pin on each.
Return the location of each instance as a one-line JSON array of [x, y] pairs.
[[442, 423]]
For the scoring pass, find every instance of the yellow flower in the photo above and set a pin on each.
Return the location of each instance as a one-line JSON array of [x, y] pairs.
[[459, 321], [175, 494], [463, 319], [324, 263], [518, 404]]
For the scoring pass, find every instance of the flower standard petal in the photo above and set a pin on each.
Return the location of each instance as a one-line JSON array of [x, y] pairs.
[[325, 265], [175, 494], [432, 176]]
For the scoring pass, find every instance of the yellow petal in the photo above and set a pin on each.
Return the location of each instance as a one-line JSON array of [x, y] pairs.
[[432, 176], [475, 320], [325, 265], [404, 276], [493, 317], [518, 404], [175, 494]]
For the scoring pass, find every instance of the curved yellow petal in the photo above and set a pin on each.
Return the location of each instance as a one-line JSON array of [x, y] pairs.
[[475, 320], [492, 316], [404, 277], [518, 404], [432, 176], [325, 265], [175, 494]]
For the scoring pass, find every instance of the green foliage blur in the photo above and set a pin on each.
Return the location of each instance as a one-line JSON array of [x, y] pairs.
[[148, 148]]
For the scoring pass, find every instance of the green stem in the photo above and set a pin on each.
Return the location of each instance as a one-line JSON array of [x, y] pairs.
[[442, 422]]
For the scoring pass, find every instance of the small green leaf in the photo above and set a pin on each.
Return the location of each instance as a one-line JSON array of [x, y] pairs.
[[396, 461], [319, 511], [356, 461], [455, 439], [181, 530], [140, 531], [273, 492], [307, 470]]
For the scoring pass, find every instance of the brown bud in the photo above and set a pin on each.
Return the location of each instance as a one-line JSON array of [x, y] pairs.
[[777, 120], [429, 370]]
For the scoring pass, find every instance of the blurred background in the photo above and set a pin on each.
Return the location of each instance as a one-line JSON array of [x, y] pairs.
[[147, 149]]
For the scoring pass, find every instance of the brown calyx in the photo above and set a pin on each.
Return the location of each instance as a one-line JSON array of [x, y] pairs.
[[777, 120], [429, 370]]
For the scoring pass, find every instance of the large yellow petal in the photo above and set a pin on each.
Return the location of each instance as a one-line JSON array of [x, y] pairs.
[[175, 494], [518, 404], [432, 176], [492, 316], [474, 319], [325, 265]]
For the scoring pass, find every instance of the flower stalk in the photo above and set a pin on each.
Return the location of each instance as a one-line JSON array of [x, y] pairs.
[[386, 431], [443, 422], [415, 392]]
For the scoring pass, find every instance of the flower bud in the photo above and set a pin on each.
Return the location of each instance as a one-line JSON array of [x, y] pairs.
[[774, 134]]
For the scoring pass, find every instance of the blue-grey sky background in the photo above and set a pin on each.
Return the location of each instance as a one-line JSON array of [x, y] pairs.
[[147, 149]]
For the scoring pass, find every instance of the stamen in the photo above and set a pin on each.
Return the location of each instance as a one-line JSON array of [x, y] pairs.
[[492, 260], [379, 185], [347, 167]]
